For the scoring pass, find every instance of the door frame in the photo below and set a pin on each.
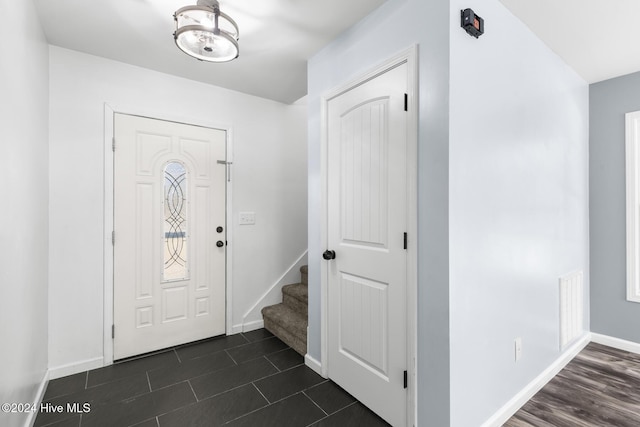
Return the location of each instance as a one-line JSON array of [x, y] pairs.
[[410, 57], [108, 203]]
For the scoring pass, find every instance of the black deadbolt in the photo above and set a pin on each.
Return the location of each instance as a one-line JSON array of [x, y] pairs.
[[219, 229], [219, 243], [328, 255]]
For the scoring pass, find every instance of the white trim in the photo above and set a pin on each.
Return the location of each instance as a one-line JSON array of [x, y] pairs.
[[268, 297], [410, 57], [324, 226], [632, 140], [42, 388], [109, 134], [229, 228], [252, 326], [618, 343], [314, 365], [517, 401], [246, 327], [75, 367], [235, 329], [412, 242]]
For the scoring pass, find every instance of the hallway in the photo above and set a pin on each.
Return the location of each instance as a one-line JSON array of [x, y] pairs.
[[246, 379]]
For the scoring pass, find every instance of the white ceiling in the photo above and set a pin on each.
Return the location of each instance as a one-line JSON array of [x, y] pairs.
[[276, 38], [597, 38]]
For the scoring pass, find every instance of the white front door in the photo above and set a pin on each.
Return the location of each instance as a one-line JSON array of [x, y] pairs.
[[367, 221], [169, 234]]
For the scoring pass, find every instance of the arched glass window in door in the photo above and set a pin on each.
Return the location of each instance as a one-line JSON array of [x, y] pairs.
[[175, 222]]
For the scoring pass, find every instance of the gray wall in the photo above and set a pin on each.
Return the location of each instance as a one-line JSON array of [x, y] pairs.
[[611, 313], [395, 26], [518, 206], [502, 200]]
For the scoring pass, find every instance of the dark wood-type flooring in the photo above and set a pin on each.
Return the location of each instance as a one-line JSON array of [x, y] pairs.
[[599, 388], [250, 379]]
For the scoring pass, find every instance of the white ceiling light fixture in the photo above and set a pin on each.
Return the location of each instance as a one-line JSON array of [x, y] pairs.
[[205, 33]]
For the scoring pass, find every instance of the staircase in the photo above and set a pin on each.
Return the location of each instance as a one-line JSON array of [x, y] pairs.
[[289, 319]]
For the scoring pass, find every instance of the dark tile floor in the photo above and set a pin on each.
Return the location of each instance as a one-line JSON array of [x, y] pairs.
[[250, 379]]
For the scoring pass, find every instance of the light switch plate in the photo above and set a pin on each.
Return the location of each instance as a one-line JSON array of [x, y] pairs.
[[247, 218]]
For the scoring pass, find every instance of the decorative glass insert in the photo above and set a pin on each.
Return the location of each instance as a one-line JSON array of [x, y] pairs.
[[175, 222]]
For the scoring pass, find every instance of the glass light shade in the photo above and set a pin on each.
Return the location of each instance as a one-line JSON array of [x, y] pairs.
[[197, 35]]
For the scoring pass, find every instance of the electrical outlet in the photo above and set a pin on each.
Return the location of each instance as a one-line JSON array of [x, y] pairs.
[[247, 218], [518, 348]]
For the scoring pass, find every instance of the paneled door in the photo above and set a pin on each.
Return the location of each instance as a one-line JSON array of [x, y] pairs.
[[367, 260], [169, 234]]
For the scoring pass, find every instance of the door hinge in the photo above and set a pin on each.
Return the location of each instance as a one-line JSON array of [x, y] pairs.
[[113, 238], [406, 379], [113, 334], [405, 240], [406, 102], [113, 144]]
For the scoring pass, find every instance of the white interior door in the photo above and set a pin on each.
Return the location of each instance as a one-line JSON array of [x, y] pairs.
[[367, 221], [169, 234]]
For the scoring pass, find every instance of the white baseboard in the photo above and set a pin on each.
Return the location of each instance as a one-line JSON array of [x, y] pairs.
[[252, 326], [313, 364], [247, 327], [235, 329], [74, 368], [512, 406], [38, 399], [618, 343]]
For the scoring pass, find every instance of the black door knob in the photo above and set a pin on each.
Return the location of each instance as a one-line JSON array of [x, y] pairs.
[[329, 255], [219, 243]]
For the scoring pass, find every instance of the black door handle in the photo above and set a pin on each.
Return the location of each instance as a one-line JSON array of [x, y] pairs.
[[219, 243], [329, 255]]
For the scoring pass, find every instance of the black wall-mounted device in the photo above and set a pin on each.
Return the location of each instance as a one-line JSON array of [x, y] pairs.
[[472, 23]]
